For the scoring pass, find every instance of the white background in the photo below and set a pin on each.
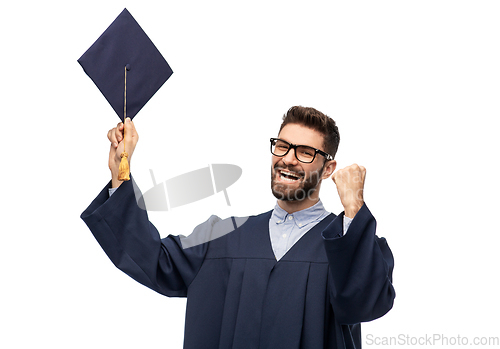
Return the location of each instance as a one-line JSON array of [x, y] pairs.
[[414, 88]]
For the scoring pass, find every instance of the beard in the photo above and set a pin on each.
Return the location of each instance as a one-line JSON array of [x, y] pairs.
[[307, 184]]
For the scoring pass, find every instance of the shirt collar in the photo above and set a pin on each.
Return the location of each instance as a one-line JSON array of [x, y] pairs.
[[301, 218]]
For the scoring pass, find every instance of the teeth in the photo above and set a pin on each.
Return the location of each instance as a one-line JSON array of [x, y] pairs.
[[290, 174]]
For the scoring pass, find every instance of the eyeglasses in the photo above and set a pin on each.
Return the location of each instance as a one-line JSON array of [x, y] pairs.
[[303, 153]]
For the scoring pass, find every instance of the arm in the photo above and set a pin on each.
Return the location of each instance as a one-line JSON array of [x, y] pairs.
[[134, 245], [361, 266], [124, 232], [361, 263]]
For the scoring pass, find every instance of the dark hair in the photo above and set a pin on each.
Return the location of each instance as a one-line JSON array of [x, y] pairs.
[[317, 121]]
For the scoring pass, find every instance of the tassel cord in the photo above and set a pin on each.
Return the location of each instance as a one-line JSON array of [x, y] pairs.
[[124, 169]]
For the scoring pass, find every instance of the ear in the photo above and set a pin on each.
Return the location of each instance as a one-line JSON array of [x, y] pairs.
[[329, 168]]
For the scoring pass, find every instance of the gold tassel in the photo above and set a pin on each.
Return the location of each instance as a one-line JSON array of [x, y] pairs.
[[123, 169]]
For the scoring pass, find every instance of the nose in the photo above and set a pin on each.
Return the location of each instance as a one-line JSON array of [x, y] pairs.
[[290, 158]]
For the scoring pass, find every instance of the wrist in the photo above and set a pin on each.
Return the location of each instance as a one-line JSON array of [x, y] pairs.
[[351, 210], [115, 183]]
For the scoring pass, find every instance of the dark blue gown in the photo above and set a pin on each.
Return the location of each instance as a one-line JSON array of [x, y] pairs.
[[238, 295]]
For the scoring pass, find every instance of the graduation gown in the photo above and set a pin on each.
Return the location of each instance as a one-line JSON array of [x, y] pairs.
[[238, 295]]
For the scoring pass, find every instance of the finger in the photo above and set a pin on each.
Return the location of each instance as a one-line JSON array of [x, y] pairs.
[[112, 137], [131, 134], [119, 128], [119, 132], [129, 124], [357, 173]]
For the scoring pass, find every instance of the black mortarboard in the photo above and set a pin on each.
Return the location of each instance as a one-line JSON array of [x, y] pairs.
[[125, 44], [128, 69]]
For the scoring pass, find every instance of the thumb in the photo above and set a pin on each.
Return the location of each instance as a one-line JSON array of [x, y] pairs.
[[129, 127], [131, 136]]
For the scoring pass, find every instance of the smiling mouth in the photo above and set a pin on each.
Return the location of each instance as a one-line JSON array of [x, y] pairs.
[[288, 176]]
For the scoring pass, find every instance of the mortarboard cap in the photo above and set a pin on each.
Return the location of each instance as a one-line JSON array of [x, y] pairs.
[[125, 44], [128, 69]]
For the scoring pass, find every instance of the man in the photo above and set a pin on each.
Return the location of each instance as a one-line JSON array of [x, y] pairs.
[[293, 277]]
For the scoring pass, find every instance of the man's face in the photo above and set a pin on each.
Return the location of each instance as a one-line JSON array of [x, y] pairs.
[[292, 180]]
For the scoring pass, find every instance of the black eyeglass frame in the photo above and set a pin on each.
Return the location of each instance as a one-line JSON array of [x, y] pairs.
[[327, 156]]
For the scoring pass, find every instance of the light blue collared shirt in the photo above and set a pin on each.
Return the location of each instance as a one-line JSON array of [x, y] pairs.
[[286, 229]]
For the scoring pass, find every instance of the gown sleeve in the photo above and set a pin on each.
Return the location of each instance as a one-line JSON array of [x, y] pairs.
[[361, 266], [134, 245]]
